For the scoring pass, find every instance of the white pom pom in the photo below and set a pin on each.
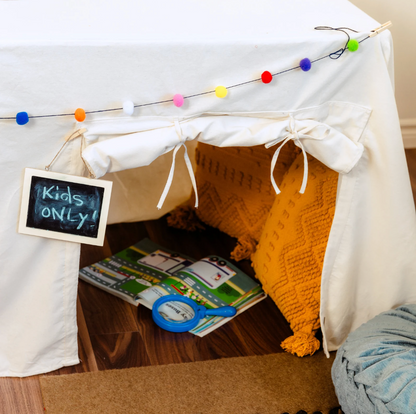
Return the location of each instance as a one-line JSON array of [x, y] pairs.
[[128, 107]]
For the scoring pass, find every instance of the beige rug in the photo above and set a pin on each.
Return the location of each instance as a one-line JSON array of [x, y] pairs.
[[275, 384]]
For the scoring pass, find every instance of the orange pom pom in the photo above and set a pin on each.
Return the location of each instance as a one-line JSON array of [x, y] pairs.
[[80, 115]]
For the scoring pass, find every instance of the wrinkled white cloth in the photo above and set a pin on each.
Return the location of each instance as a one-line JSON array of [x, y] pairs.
[[54, 59], [111, 153]]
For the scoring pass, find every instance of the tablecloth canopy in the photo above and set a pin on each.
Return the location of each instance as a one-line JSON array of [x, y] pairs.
[[55, 58]]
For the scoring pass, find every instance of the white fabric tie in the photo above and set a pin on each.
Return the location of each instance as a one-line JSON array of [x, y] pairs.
[[172, 169], [296, 136]]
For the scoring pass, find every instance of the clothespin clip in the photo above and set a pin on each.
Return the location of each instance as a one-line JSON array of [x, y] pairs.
[[380, 29]]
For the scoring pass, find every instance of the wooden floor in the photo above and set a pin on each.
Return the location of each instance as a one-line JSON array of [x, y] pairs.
[[114, 334]]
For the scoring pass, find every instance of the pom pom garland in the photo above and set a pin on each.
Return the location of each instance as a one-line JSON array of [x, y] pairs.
[[128, 107], [178, 100], [80, 115], [266, 77], [305, 64], [22, 118], [353, 45], [221, 91]]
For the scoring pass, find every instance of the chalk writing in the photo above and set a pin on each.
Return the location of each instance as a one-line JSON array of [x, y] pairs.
[[64, 207]]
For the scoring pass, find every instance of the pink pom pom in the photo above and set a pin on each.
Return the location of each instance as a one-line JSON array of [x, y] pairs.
[[178, 100]]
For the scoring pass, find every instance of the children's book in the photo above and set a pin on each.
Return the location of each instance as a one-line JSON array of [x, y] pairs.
[[144, 272]]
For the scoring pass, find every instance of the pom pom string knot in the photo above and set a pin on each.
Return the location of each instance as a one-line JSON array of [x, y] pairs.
[[340, 52]]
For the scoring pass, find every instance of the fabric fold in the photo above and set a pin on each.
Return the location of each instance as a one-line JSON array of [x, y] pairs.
[[334, 145], [335, 150]]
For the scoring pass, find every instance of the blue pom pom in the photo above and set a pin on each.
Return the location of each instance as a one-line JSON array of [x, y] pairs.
[[22, 118], [305, 64]]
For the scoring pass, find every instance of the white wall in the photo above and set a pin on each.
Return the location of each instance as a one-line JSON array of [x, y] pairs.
[[402, 14]]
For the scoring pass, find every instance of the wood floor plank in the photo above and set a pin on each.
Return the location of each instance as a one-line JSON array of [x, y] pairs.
[[123, 350], [122, 235], [20, 396], [165, 347], [12, 401], [87, 355], [31, 392], [105, 313], [263, 328], [225, 342]]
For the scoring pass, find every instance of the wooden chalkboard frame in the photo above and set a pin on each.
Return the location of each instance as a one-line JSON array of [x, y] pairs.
[[24, 208]]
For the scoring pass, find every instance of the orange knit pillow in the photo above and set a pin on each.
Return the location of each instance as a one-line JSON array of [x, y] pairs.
[[290, 253], [235, 192]]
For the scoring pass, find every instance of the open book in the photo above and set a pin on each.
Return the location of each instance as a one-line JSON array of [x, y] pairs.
[[146, 271]]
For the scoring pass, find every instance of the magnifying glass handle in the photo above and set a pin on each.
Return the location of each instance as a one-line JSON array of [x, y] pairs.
[[226, 311]]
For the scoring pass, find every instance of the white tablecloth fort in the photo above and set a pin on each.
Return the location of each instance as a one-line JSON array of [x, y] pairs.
[[57, 57]]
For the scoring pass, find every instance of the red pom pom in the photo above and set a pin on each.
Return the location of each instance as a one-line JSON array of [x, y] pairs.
[[266, 77]]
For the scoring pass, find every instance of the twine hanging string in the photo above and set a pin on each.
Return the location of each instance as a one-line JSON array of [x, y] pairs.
[[73, 135]]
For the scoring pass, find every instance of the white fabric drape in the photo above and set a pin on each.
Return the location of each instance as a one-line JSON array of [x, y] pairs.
[[109, 152], [54, 59]]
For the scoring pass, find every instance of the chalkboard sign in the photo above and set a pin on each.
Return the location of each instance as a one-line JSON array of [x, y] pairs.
[[64, 207]]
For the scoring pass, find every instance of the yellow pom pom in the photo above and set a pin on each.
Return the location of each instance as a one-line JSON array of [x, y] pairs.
[[221, 91]]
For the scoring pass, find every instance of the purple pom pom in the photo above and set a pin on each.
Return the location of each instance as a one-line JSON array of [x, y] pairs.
[[305, 64]]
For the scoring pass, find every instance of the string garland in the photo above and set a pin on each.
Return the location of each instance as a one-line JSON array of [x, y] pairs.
[[352, 45]]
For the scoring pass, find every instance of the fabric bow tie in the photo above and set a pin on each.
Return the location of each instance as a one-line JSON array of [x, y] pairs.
[[296, 135], [188, 163]]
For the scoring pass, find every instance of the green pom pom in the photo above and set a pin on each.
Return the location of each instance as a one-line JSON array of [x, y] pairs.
[[353, 45]]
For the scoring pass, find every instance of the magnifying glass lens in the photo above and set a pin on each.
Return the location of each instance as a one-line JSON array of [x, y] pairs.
[[176, 312], [180, 314]]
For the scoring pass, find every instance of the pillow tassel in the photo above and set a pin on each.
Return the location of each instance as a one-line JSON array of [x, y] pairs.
[[245, 247], [301, 344], [184, 217]]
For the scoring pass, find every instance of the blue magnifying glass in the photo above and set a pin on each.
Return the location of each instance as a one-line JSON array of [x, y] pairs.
[[176, 313]]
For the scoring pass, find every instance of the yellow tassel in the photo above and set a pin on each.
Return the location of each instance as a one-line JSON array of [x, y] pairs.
[[246, 246], [184, 217], [301, 344]]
